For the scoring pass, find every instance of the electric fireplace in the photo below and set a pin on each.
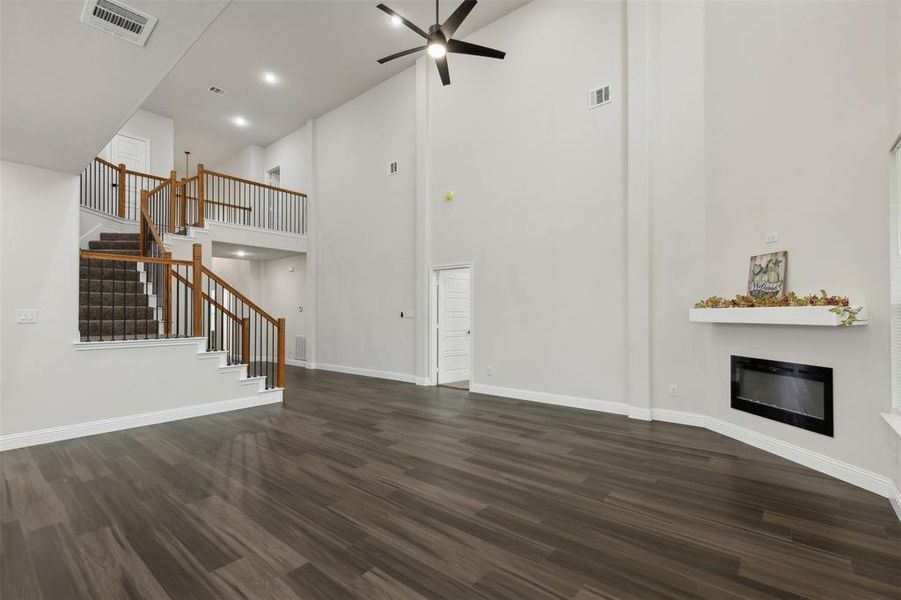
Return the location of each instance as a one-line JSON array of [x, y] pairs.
[[796, 394]]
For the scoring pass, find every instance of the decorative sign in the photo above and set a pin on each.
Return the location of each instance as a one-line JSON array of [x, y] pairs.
[[766, 276]]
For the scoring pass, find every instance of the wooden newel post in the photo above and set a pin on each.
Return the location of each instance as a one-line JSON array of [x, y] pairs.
[[201, 195], [141, 210], [197, 291], [167, 294], [120, 187], [280, 372], [245, 340], [173, 190]]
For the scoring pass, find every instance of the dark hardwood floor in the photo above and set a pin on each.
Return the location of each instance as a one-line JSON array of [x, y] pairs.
[[362, 488]]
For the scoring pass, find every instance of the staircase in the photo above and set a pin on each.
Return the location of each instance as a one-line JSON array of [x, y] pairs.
[[113, 302], [131, 287]]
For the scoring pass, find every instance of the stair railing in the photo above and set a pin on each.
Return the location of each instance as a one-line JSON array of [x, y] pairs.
[[115, 190], [238, 201], [176, 204], [111, 309], [248, 333]]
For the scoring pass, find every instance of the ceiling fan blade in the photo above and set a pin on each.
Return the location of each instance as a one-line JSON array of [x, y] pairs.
[[453, 21], [387, 10], [399, 54], [441, 63], [466, 48]]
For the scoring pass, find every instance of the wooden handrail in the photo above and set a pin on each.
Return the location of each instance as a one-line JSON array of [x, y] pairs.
[[209, 299], [256, 183], [146, 217], [235, 206], [240, 296], [135, 259], [106, 162], [139, 173]]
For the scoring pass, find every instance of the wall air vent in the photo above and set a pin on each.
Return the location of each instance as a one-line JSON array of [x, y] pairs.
[[217, 91], [599, 96], [119, 20]]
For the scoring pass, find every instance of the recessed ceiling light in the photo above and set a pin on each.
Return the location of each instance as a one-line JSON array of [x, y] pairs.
[[396, 21], [241, 253], [239, 121], [270, 77]]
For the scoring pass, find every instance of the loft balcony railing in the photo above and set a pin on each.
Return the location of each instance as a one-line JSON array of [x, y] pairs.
[[176, 204]]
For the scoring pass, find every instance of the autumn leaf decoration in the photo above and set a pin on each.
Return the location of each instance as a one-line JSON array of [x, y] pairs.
[[840, 305]]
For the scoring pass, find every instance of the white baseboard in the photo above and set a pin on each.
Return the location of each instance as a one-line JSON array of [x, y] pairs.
[[619, 408], [868, 480], [642, 414], [296, 363], [895, 498], [423, 381], [365, 372], [66, 432]]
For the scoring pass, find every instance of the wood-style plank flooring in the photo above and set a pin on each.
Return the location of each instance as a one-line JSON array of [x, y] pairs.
[[363, 488]]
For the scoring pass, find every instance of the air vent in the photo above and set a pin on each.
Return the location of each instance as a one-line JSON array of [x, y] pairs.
[[599, 96], [300, 347], [119, 20], [217, 91], [392, 167]]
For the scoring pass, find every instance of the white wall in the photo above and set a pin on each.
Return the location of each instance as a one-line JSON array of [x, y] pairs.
[[159, 131], [274, 287], [539, 205], [44, 381], [816, 172], [365, 229], [247, 163], [292, 155]]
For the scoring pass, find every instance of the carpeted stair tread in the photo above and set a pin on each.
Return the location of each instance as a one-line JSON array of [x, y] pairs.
[[116, 326], [123, 337], [123, 237], [109, 264], [116, 312], [97, 298], [106, 272], [119, 286], [115, 251], [104, 245]]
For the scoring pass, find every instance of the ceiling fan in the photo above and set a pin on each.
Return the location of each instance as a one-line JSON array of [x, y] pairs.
[[439, 39]]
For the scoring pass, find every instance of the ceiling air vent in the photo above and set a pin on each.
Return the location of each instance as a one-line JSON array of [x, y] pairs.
[[599, 96], [217, 91], [119, 20]]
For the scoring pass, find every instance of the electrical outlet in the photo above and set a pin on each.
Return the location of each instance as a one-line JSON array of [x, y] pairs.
[[771, 237], [674, 389], [392, 168], [26, 316], [488, 371]]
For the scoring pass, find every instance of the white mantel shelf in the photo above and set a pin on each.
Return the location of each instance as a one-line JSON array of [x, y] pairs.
[[818, 316]]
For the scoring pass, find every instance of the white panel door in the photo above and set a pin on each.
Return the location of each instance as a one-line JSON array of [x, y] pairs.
[[134, 153], [454, 333]]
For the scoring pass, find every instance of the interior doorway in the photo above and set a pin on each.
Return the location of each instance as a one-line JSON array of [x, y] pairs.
[[451, 330]]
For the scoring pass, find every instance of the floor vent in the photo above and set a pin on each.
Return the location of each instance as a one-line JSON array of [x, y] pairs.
[[300, 347], [599, 96], [119, 20]]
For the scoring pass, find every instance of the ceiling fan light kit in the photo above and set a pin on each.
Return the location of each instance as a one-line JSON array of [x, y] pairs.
[[439, 39]]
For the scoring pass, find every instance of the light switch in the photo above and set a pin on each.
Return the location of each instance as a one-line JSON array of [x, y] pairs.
[[26, 316]]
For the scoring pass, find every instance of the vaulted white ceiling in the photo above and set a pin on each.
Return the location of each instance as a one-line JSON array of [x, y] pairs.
[[67, 88], [325, 53]]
